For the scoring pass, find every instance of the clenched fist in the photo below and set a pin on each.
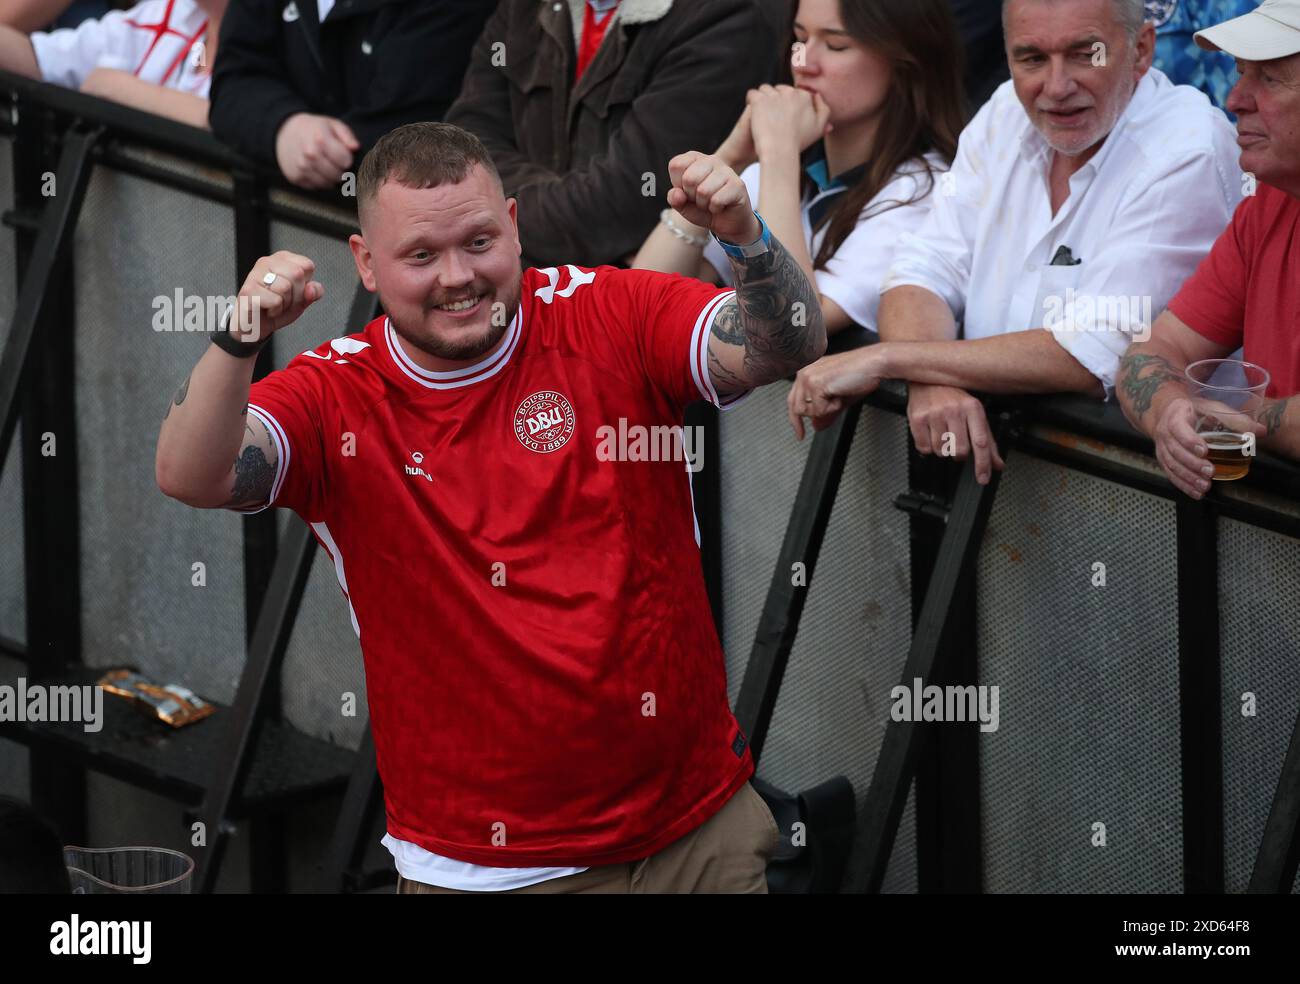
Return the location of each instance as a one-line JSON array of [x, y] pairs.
[[276, 292], [707, 192]]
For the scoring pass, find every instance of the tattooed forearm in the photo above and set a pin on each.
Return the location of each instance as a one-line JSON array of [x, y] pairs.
[[179, 398], [1273, 416], [776, 316], [254, 474], [1139, 389]]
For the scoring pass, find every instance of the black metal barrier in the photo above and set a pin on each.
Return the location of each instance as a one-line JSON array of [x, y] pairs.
[[255, 764], [937, 802]]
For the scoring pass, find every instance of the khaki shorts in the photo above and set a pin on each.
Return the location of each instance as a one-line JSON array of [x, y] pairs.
[[728, 853]]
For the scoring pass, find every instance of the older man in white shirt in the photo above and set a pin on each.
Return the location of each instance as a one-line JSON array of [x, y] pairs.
[[1083, 194]]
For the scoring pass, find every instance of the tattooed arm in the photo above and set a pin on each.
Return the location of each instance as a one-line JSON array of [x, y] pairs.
[[772, 328], [1151, 372], [211, 453], [1155, 400], [774, 325], [1281, 422]]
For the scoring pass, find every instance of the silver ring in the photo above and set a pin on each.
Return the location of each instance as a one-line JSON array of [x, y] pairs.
[[268, 278]]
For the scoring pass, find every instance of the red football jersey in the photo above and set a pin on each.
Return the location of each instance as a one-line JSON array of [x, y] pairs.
[[545, 683]]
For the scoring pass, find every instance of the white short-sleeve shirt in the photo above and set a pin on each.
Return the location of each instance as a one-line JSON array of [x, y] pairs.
[[1142, 213], [157, 41], [853, 274]]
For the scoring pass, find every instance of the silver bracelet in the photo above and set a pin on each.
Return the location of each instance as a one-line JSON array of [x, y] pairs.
[[666, 217]]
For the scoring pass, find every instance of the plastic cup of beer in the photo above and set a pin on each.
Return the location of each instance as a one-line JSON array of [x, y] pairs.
[[1228, 396]]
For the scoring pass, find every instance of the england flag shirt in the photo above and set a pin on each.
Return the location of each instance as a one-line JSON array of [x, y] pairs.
[[158, 41]]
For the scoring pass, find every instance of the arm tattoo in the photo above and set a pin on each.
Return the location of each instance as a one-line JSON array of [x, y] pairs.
[[1272, 417], [254, 474], [1141, 391], [776, 315], [720, 372], [179, 398]]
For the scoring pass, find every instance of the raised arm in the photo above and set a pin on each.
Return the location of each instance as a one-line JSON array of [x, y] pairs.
[[773, 327], [211, 453]]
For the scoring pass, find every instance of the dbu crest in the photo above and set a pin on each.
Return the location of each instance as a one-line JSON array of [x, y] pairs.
[[544, 422]]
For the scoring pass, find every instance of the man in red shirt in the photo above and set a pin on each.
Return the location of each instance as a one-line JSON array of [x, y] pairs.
[[1247, 291], [547, 692]]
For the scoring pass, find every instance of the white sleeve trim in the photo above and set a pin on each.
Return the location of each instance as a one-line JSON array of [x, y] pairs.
[[281, 441], [699, 354]]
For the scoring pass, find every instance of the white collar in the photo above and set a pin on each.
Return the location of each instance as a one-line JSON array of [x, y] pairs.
[[455, 378]]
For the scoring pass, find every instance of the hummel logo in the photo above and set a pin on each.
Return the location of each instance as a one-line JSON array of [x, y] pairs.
[[417, 457], [290, 12], [340, 347], [577, 278]]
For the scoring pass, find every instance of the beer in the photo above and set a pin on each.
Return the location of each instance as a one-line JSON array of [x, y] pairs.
[[1227, 452]]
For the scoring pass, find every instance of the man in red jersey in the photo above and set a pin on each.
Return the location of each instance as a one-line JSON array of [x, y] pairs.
[[547, 692]]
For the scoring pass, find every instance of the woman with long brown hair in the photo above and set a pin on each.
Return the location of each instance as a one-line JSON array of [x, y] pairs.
[[846, 159]]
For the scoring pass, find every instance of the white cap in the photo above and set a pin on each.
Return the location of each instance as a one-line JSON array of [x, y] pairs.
[[1272, 30]]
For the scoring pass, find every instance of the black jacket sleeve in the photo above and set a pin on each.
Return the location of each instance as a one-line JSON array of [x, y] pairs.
[[420, 49], [251, 95]]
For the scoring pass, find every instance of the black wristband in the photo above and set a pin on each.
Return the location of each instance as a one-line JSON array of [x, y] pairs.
[[225, 341]]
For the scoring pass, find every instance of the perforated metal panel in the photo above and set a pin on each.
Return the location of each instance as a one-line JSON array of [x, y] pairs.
[[13, 616], [761, 467], [830, 717], [328, 317], [15, 775], [1088, 687], [1259, 639], [141, 600], [323, 661]]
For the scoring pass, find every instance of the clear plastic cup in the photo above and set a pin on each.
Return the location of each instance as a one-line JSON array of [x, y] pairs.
[[128, 870], [1228, 396]]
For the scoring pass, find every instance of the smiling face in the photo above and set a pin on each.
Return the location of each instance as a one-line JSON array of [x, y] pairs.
[[1266, 102], [849, 76], [1074, 68], [445, 263]]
